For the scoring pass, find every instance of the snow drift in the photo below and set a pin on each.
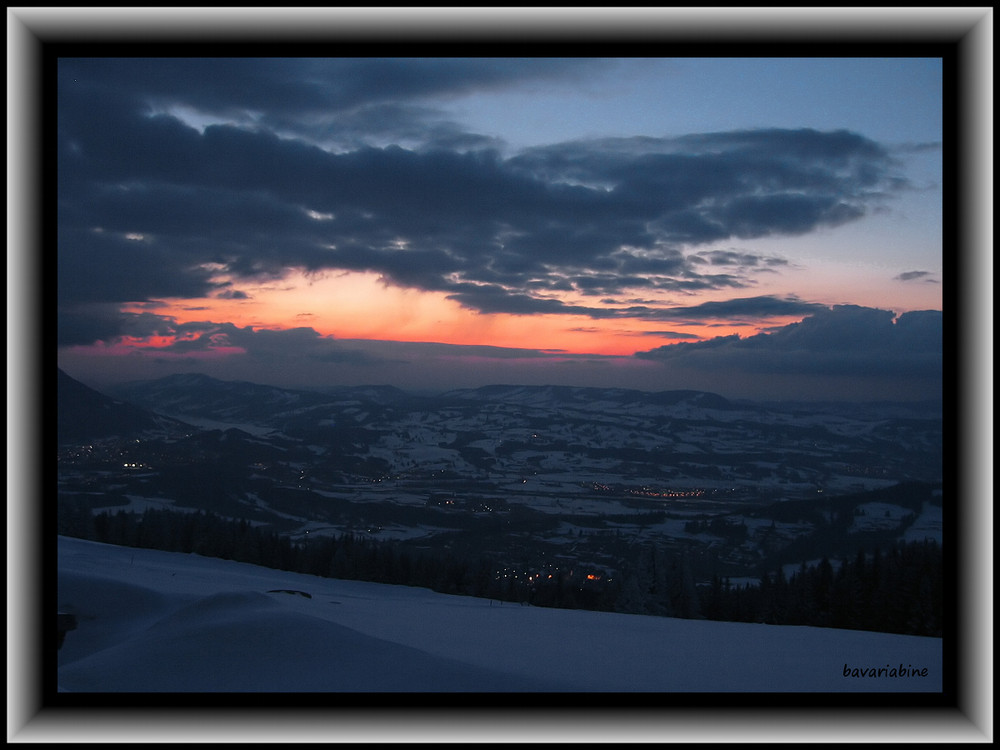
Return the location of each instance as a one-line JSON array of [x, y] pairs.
[[152, 621]]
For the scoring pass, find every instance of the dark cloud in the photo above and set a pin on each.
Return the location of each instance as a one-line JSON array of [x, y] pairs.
[[107, 267], [301, 345], [759, 216], [667, 334], [736, 309], [86, 324], [494, 299], [153, 207], [339, 100], [843, 341], [916, 276], [734, 258], [420, 350], [290, 346]]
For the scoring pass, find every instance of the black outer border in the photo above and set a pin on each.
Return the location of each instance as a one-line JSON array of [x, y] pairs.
[[963, 37]]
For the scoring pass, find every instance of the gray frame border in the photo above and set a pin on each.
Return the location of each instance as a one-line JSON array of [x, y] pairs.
[[30, 28]]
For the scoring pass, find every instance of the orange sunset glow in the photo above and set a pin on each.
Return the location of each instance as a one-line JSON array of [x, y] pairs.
[[363, 306]]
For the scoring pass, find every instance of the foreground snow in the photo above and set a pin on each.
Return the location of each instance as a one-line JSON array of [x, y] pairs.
[[152, 621]]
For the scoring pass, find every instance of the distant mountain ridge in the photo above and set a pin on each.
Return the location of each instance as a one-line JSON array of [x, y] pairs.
[[610, 435], [334, 414], [86, 414], [195, 395], [242, 402], [581, 394], [188, 391]]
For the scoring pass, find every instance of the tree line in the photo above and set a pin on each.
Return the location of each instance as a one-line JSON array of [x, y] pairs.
[[897, 590], [346, 556]]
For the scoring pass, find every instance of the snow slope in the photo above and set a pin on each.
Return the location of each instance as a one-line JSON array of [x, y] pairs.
[[152, 621]]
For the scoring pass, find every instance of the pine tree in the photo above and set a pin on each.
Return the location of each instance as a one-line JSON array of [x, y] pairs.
[[631, 598], [683, 593]]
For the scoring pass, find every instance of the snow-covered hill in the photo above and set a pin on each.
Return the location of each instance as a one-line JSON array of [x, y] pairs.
[[151, 621], [604, 435]]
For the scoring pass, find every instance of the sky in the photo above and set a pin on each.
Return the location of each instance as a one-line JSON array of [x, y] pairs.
[[761, 228]]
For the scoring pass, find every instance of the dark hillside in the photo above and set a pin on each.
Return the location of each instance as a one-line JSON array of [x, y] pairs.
[[85, 415]]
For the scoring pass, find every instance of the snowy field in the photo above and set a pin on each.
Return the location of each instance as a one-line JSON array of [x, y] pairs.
[[152, 621]]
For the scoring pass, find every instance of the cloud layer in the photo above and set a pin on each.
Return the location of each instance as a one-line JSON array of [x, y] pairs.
[[845, 341], [177, 183]]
